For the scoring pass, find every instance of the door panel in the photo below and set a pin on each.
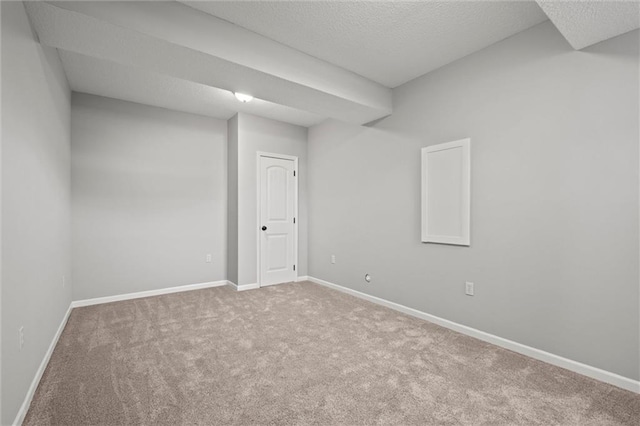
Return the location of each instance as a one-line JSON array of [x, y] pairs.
[[277, 253], [277, 210], [276, 193]]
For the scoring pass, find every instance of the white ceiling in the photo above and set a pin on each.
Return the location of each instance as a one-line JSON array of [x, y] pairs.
[[584, 23], [304, 61], [387, 42], [110, 79], [178, 42]]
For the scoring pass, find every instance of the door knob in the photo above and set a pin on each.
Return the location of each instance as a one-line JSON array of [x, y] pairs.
[[264, 228]]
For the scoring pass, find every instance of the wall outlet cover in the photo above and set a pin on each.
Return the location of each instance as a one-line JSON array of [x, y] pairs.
[[21, 337], [468, 288]]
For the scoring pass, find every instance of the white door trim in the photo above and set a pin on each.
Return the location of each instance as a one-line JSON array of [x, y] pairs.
[[258, 215]]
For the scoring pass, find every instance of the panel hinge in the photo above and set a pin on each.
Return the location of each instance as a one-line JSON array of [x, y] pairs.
[[294, 267], [294, 220], [294, 173]]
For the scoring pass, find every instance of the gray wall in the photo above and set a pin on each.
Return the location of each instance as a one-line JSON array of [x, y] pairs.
[[262, 134], [148, 197], [35, 203], [232, 199], [554, 230]]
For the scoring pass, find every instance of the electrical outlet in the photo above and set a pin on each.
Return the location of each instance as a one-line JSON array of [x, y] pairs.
[[21, 337], [333, 258], [209, 258], [468, 288]]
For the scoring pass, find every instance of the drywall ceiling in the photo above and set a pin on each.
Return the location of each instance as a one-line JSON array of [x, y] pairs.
[[176, 41], [584, 23], [304, 61], [104, 78], [387, 42]]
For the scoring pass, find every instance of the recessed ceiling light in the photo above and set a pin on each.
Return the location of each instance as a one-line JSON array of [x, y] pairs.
[[242, 97]]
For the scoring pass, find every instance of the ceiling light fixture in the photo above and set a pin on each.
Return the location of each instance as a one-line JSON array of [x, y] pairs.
[[242, 97]]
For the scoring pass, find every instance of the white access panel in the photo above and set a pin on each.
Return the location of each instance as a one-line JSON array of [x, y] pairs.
[[446, 190]]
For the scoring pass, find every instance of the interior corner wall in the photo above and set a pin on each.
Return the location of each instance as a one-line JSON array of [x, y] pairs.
[[262, 134], [232, 199], [554, 197], [149, 194], [35, 203]]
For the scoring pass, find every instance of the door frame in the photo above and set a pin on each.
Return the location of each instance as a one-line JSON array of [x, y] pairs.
[[259, 155]]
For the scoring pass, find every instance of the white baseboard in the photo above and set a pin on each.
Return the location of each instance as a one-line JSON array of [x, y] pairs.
[[297, 280], [138, 295], [243, 287], [88, 302], [43, 365], [575, 366]]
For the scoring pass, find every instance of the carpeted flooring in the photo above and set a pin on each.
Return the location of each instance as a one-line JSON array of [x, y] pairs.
[[299, 354]]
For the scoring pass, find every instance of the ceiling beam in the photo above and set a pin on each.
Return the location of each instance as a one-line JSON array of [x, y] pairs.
[[109, 79], [173, 39]]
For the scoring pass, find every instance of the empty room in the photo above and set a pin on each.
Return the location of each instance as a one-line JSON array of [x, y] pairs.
[[320, 212]]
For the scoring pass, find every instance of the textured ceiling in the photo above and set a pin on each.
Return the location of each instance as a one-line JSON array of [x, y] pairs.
[[584, 23], [303, 61], [387, 42], [174, 40], [105, 78]]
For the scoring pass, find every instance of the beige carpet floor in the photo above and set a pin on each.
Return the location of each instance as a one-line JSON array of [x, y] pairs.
[[299, 354]]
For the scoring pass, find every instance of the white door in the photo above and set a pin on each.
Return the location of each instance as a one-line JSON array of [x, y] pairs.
[[278, 205]]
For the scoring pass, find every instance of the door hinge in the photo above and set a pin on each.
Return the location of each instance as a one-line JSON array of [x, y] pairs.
[[294, 267], [294, 173], [294, 220]]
